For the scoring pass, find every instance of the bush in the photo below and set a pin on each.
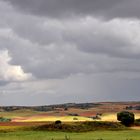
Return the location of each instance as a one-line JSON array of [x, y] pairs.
[[58, 122], [126, 118]]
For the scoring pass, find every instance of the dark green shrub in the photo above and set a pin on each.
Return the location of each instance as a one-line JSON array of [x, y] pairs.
[[58, 122], [126, 118]]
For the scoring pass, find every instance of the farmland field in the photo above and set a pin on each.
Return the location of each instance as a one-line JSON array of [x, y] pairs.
[[34, 117], [51, 119], [23, 122], [113, 116], [97, 135], [108, 111]]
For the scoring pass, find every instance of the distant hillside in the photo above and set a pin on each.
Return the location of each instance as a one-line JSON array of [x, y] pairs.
[[65, 107], [51, 107]]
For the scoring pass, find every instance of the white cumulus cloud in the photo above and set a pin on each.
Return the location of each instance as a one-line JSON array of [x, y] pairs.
[[10, 72]]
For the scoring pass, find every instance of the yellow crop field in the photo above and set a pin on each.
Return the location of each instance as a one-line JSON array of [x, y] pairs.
[[113, 117], [109, 117], [137, 116], [52, 118]]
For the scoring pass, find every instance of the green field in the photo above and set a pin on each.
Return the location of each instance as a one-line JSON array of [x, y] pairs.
[[95, 135]]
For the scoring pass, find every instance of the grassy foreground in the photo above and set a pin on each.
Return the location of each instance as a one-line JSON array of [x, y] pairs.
[[95, 135]]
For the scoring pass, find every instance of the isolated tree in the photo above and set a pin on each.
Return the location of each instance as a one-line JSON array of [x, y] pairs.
[[126, 118], [58, 122]]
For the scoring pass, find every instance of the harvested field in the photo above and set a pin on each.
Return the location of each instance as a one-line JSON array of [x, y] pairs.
[[51, 119]]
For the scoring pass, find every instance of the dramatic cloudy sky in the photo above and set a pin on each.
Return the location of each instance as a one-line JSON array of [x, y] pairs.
[[58, 51]]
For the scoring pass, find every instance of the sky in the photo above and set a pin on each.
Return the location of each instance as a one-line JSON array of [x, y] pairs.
[[69, 51]]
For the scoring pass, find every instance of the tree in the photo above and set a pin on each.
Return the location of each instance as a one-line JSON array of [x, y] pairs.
[[126, 118], [58, 122]]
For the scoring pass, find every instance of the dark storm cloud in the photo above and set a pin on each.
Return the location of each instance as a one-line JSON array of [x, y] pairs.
[[64, 8], [55, 51], [58, 48]]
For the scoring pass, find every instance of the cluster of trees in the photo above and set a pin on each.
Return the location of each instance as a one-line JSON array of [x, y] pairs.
[[126, 118]]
